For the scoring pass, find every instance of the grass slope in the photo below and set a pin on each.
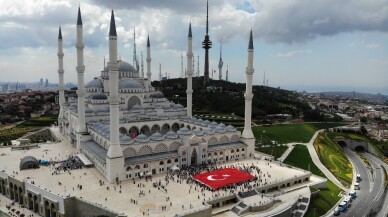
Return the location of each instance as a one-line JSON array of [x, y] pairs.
[[290, 132], [332, 156], [300, 157], [275, 151]]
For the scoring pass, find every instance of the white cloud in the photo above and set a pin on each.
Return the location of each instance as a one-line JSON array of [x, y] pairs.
[[372, 45], [293, 53]]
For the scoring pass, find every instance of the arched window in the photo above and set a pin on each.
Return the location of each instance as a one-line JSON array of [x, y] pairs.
[[129, 168], [168, 161], [176, 160], [145, 165], [133, 101], [161, 162], [137, 167]]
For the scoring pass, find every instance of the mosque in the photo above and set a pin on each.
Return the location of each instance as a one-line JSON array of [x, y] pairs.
[[128, 129]]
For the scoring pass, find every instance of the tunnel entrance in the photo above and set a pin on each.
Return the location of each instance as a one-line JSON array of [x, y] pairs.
[[360, 149], [342, 144]]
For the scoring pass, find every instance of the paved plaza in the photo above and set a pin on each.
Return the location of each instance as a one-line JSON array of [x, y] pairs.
[[136, 197]]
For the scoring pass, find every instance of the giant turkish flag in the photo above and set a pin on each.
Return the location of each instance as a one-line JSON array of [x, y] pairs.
[[224, 177]]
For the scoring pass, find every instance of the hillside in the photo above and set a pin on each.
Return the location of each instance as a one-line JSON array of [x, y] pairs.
[[228, 97]]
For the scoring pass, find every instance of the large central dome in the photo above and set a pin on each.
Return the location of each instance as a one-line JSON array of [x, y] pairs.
[[123, 67]]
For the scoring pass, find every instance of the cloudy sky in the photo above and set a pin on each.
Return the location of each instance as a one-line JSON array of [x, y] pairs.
[[299, 44]]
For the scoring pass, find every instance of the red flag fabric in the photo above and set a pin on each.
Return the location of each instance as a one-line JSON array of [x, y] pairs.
[[224, 177]]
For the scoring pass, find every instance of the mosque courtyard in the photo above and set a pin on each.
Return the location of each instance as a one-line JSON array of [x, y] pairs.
[[154, 196]]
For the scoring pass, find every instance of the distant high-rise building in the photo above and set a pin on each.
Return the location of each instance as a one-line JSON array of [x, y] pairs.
[[47, 83], [41, 82]]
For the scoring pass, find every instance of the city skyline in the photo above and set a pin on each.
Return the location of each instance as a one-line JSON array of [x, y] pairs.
[[300, 45]]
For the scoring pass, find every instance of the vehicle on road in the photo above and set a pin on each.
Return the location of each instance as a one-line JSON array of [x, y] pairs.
[[353, 194], [342, 206], [336, 211], [357, 186], [358, 178]]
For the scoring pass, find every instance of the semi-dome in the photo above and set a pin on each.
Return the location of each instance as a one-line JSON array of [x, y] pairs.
[[157, 95], [129, 84], [99, 96], [95, 83], [123, 67]]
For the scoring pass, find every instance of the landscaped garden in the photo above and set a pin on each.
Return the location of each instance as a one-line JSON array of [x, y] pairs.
[[331, 155], [31, 125], [300, 157]]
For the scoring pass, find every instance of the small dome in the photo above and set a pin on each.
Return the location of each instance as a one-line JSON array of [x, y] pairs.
[[197, 132], [126, 140], [157, 95], [166, 106], [123, 67], [88, 110], [184, 131], [178, 106], [213, 124], [95, 83], [99, 96], [222, 125], [157, 136], [171, 135], [130, 84], [230, 128], [142, 138], [209, 131], [206, 122], [28, 162], [220, 129]]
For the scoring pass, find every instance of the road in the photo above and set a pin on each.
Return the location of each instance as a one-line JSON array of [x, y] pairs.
[[371, 187], [376, 163]]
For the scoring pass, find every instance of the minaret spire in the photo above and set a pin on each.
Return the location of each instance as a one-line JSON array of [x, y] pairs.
[[135, 61], [114, 158], [142, 65], [181, 65], [148, 59], [61, 82], [81, 127], [190, 67], [220, 64], [206, 44], [160, 71], [227, 73], [198, 66]]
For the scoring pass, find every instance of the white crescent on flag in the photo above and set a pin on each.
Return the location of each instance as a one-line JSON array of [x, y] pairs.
[[210, 178]]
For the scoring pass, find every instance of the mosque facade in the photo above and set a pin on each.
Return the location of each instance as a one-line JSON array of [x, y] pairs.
[[128, 129]]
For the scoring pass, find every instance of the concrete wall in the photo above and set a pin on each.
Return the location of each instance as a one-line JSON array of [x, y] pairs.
[[77, 207], [206, 212]]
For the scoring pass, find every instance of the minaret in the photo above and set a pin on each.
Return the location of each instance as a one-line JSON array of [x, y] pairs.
[[114, 158], [81, 128], [198, 66], [181, 65], [135, 63], [227, 73], [148, 59], [60, 73], [206, 44], [160, 71], [220, 64], [247, 133], [142, 66], [189, 90]]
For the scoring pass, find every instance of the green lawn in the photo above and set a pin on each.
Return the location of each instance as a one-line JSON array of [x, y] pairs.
[[275, 151], [290, 132], [332, 156], [300, 157], [31, 125]]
